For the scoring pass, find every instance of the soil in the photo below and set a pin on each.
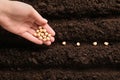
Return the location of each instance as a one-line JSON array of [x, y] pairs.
[[83, 21], [55, 74], [83, 30], [76, 8], [58, 55]]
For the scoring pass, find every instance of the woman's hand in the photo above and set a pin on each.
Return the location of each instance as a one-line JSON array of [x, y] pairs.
[[22, 19]]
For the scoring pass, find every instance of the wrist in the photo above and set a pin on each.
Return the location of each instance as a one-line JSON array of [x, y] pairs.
[[3, 8]]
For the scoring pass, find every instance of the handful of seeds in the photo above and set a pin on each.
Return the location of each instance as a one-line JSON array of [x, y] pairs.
[[42, 34]]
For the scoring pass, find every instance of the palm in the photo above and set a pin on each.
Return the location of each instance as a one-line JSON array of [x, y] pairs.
[[20, 26], [23, 20]]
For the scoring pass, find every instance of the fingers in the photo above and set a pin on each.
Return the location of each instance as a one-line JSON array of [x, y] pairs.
[[38, 18], [31, 31], [52, 39], [47, 43], [49, 29], [31, 38]]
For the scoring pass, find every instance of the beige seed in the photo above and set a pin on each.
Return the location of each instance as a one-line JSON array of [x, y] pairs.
[[44, 39], [78, 43], [44, 30], [49, 35], [40, 38], [64, 43], [39, 34], [41, 30], [46, 33], [40, 27], [106, 43], [37, 31], [42, 34], [95, 43], [35, 34], [48, 38]]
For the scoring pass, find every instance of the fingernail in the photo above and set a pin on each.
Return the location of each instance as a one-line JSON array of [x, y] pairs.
[[45, 20]]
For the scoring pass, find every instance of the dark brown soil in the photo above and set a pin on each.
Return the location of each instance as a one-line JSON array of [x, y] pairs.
[[58, 55], [85, 21], [53, 74], [76, 8], [84, 30]]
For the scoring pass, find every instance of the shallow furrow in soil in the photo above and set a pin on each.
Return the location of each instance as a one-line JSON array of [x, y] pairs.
[[53, 74], [58, 55], [83, 30], [76, 8]]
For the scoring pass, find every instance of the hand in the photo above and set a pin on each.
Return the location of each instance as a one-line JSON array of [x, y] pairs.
[[22, 19]]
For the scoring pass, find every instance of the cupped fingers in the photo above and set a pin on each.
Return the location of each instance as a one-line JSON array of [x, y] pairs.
[[52, 39], [31, 38], [49, 29], [38, 18]]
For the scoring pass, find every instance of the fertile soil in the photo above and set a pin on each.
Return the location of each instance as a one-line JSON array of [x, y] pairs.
[[83, 21], [83, 30], [58, 55], [55, 74], [76, 8]]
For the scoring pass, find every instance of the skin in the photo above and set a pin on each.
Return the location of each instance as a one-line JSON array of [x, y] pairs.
[[22, 19]]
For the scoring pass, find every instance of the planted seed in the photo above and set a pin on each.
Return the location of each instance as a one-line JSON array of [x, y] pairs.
[[94, 43], [106, 43], [78, 43], [64, 43]]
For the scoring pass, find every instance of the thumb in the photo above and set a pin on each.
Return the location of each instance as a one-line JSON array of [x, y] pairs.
[[38, 18]]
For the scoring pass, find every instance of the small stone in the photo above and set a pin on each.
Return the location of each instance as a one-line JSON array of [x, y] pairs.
[[34, 61]]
